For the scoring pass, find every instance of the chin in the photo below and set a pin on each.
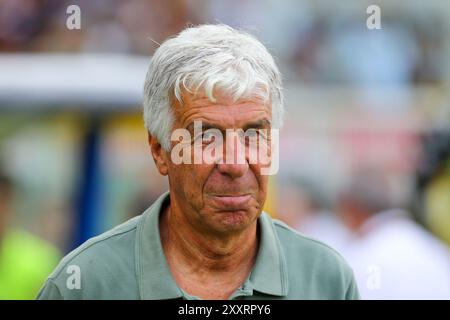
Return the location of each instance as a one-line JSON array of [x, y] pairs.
[[230, 221]]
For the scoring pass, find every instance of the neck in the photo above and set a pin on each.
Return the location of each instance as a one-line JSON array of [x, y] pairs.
[[196, 252]]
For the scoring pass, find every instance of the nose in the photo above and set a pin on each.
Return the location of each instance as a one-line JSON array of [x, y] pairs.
[[232, 170], [234, 162]]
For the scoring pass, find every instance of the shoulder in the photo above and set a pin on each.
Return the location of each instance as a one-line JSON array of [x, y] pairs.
[[315, 264], [93, 266], [100, 250], [292, 239]]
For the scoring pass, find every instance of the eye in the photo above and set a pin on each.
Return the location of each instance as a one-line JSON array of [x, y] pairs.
[[208, 136], [263, 133], [251, 135]]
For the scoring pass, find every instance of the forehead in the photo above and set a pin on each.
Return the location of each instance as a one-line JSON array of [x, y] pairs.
[[224, 112]]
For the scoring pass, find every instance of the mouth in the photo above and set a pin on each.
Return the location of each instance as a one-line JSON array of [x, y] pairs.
[[231, 202]]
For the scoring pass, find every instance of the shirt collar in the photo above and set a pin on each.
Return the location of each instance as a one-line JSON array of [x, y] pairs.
[[269, 275]]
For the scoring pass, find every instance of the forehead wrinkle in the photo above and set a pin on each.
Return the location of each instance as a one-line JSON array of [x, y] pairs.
[[197, 104], [259, 120]]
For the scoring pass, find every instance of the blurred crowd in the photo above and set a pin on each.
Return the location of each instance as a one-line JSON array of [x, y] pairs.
[[392, 256], [312, 43], [365, 152]]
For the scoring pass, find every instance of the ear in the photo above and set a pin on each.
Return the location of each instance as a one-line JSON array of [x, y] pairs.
[[158, 154]]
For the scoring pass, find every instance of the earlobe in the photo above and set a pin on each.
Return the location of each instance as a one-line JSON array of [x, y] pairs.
[[158, 155]]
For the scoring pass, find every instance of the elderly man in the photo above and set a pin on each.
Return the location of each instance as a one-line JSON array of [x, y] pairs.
[[207, 237]]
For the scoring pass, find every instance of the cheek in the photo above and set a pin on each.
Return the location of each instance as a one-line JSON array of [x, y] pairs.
[[189, 179], [262, 180]]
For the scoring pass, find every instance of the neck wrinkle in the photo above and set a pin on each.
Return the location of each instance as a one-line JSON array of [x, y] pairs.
[[197, 251]]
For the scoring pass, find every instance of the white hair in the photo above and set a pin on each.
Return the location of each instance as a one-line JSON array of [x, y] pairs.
[[208, 57]]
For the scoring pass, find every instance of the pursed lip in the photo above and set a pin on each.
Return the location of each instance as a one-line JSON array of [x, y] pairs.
[[231, 202]]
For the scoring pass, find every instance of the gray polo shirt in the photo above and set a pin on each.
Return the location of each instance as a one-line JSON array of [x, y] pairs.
[[128, 262]]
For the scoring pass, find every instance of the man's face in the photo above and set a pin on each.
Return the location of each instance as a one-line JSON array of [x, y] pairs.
[[220, 197]]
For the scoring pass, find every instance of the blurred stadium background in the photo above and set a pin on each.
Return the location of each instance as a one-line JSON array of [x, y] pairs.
[[73, 144]]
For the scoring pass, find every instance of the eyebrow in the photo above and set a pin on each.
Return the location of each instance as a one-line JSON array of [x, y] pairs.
[[258, 124], [205, 126]]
